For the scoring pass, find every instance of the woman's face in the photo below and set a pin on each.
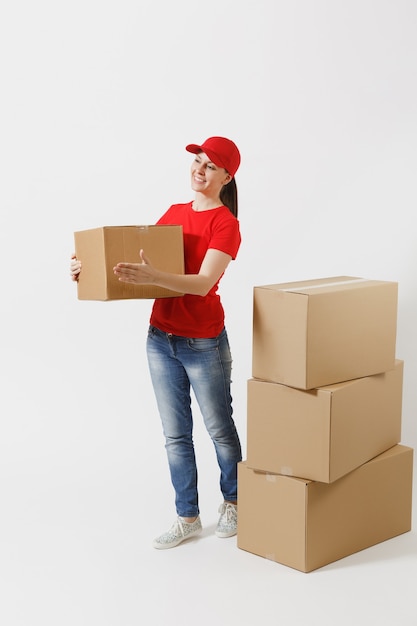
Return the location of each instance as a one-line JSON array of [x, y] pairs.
[[206, 177]]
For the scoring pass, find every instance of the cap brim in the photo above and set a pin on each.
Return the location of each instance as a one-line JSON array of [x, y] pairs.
[[192, 147], [214, 158]]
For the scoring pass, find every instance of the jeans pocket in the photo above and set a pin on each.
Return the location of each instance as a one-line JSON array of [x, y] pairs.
[[202, 344]]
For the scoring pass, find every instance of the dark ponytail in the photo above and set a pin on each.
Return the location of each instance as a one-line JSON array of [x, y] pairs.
[[228, 196]]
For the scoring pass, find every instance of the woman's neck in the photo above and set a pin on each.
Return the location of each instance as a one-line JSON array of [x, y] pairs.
[[201, 203]]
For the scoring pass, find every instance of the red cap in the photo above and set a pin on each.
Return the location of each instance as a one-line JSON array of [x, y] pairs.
[[221, 151]]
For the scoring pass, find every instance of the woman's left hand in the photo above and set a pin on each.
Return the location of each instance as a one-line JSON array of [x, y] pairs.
[[136, 273]]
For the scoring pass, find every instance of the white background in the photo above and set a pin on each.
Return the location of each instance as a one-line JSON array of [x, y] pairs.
[[98, 100]]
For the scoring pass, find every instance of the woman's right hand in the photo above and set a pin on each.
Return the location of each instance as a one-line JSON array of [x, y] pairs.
[[75, 268]]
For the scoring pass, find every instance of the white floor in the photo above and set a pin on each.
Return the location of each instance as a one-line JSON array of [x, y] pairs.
[[76, 550], [84, 489]]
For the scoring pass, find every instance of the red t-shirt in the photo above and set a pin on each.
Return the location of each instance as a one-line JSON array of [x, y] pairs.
[[189, 315]]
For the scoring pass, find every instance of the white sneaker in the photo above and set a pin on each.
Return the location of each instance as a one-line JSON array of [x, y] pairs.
[[178, 532], [227, 524]]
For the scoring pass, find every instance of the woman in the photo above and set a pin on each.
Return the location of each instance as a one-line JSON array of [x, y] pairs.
[[187, 344]]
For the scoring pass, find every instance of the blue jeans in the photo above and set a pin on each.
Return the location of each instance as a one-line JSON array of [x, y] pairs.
[[176, 365]]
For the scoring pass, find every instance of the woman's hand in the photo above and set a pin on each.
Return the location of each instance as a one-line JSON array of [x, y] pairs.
[[136, 273], [75, 268]]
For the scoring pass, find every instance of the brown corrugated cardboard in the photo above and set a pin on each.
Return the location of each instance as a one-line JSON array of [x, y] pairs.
[[100, 249], [318, 332], [306, 525], [325, 433]]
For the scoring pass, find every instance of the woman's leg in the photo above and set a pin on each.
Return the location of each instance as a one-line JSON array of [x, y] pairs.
[[172, 392], [208, 364]]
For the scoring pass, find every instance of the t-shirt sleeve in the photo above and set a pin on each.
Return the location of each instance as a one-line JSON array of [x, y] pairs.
[[226, 237]]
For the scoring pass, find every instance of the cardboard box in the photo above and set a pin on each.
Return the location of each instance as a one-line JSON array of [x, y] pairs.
[[318, 332], [306, 525], [100, 249], [325, 433]]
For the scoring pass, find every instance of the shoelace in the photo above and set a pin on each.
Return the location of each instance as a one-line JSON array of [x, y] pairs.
[[179, 524], [230, 511]]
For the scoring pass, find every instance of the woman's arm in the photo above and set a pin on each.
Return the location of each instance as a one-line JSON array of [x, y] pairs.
[[214, 264]]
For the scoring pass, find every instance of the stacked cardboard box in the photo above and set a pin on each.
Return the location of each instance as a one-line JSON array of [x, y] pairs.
[[325, 474]]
